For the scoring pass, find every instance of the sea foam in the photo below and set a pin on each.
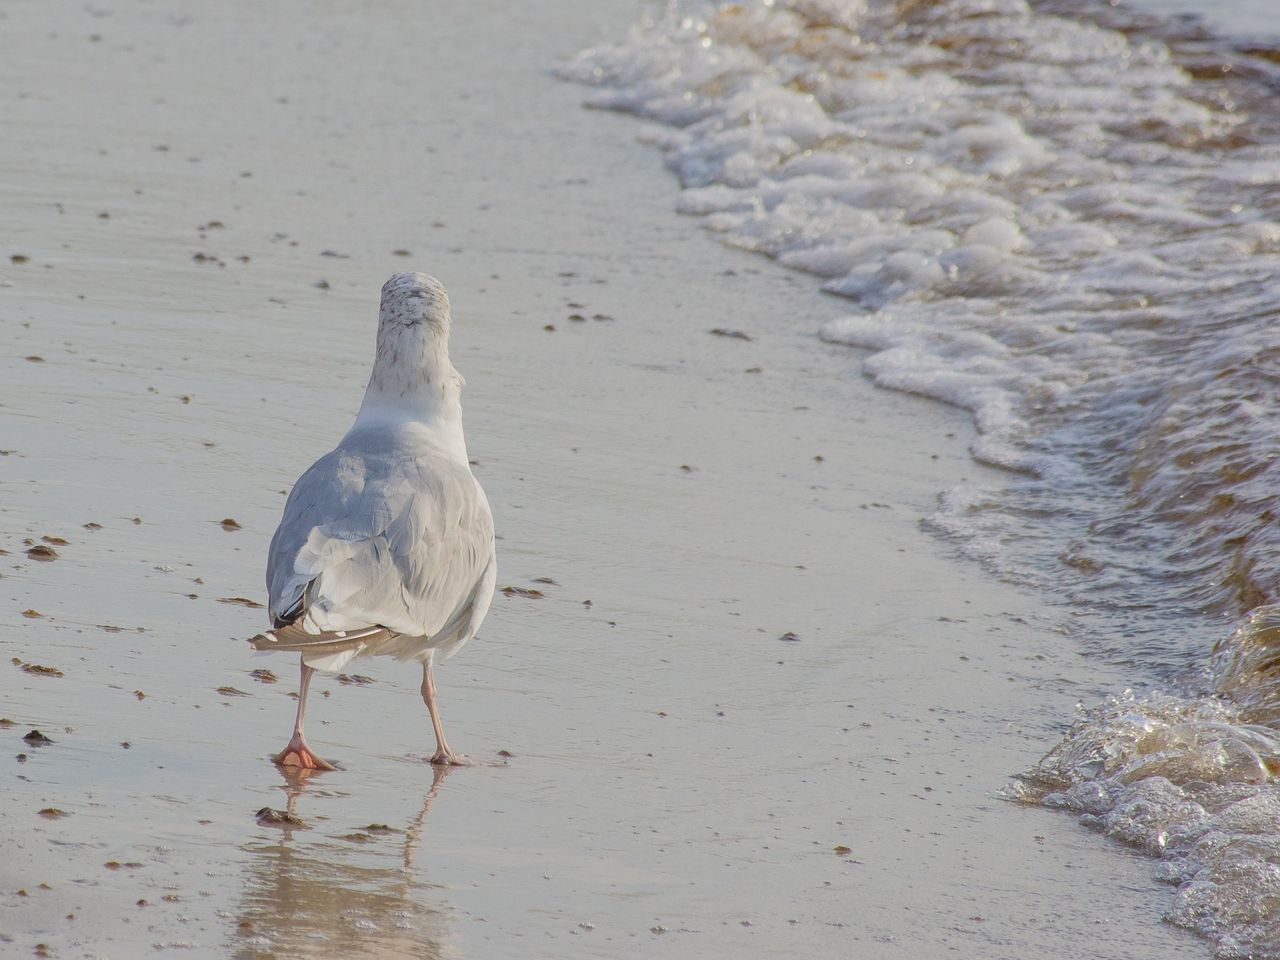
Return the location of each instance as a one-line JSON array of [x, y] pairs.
[[1070, 230]]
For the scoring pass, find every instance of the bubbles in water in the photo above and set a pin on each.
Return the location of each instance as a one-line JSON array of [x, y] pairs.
[[1045, 221], [1192, 782], [1072, 232]]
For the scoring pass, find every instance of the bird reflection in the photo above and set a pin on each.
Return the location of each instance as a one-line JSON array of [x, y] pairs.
[[309, 893]]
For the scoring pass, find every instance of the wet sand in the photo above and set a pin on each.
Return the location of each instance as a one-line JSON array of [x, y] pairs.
[[681, 780]]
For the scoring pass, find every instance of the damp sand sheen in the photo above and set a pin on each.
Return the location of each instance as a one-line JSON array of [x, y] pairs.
[[747, 692]]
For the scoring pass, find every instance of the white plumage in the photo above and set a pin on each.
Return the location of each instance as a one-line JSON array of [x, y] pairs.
[[390, 529]]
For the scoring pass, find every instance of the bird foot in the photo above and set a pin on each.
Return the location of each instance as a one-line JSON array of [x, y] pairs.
[[298, 754], [447, 758]]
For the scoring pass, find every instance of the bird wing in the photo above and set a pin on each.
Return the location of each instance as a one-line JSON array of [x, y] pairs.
[[387, 537]]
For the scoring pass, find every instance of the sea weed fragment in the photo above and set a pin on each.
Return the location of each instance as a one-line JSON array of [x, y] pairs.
[[525, 592], [40, 670]]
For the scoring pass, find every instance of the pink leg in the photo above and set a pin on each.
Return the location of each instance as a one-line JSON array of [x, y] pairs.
[[444, 756], [297, 753]]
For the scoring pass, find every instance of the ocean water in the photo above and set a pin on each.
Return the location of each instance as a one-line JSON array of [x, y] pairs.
[[1063, 216], [1245, 21]]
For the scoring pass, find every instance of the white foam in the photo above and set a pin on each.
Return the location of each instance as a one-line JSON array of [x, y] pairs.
[[1012, 201], [1051, 224], [1192, 782]]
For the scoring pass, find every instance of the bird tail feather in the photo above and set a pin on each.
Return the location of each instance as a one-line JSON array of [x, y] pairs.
[[291, 637]]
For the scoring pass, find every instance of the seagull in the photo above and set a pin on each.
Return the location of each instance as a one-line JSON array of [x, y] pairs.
[[386, 544]]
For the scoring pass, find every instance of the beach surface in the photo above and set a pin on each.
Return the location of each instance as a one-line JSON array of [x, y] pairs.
[[757, 710]]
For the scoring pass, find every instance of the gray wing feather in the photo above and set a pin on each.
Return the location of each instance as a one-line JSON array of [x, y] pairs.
[[381, 537]]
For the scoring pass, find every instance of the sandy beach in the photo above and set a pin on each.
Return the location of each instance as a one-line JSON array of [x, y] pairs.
[[201, 207]]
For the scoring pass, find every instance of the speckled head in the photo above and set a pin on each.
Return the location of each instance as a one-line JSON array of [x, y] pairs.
[[410, 299], [412, 374]]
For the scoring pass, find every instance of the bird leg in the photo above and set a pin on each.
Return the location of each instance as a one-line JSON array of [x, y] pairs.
[[297, 753], [443, 756]]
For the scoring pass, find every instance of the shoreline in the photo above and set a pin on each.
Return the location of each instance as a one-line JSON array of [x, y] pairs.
[[681, 776]]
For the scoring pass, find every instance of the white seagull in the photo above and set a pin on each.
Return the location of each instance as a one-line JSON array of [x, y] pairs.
[[386, 543]]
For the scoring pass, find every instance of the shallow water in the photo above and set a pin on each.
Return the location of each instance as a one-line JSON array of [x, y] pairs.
[[1062, 217], [208, 198]]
